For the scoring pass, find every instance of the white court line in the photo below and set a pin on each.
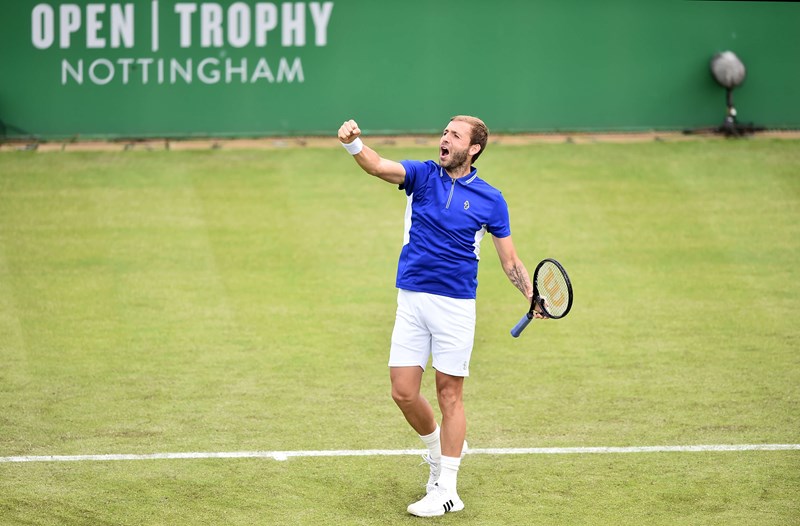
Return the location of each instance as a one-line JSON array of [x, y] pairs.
[[285, 455]]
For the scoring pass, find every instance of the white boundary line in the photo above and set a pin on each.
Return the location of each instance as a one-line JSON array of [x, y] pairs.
[[285, 455]]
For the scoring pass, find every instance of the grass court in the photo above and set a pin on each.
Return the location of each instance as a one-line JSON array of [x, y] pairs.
[[223, 301]]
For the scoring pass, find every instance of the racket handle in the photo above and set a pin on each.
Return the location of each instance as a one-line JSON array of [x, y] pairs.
[[519, 327]]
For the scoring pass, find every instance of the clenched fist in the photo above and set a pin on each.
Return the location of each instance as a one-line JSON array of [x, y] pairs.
[[349, 132]]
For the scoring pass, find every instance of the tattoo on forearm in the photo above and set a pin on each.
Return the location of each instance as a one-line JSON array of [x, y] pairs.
[[519, 278]]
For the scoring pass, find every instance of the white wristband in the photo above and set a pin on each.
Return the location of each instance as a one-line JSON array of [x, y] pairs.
[[354, 147]]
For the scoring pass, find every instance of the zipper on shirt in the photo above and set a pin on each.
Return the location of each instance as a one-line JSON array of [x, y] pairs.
[[450, 197]]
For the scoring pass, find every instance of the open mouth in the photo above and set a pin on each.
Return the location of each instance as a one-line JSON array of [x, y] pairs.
[[443, 151]]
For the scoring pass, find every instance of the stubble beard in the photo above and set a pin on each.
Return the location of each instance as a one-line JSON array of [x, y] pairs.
[[458, 161]]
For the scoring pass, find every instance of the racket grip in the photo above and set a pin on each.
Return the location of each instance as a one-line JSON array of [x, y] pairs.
[[519, 327]]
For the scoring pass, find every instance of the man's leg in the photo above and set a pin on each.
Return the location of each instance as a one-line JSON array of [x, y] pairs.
[[406, 383], [443, 496], [449, 391], [419, 414]]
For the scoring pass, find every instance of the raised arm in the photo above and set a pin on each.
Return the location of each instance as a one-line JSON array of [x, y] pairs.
[[367, 158]]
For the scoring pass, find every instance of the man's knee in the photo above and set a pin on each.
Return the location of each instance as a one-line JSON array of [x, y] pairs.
[[449, 397], [405, 387], [449, 393], [403, 395]]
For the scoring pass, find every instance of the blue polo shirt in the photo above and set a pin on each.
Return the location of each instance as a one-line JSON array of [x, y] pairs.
[[444, 224]]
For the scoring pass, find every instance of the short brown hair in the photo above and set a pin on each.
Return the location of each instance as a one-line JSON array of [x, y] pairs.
[[479, 135]]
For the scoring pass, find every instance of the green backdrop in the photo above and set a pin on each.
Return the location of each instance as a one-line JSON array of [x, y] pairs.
[[94, 69]]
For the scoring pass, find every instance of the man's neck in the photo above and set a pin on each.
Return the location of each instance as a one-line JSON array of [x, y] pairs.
[[459, 171]]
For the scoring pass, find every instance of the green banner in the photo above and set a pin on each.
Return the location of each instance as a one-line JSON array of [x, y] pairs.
[[157, 68]]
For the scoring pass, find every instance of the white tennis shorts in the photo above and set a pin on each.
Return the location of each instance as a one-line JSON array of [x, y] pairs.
[[427, 324]]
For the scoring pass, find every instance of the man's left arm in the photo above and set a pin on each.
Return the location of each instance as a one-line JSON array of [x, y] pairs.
[[515, 270], [513, 266]]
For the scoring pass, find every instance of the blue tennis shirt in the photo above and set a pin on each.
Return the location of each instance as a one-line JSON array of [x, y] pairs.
[[445, 222]]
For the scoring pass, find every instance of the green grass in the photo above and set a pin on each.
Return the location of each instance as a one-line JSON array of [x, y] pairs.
[[238, 301]]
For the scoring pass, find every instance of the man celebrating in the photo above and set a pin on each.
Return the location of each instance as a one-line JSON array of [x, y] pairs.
[[449, 210]]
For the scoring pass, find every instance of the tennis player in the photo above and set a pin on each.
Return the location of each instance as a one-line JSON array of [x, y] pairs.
[[448, 212]]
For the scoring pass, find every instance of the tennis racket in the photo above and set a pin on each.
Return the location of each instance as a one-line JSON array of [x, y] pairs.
[[552, 293]]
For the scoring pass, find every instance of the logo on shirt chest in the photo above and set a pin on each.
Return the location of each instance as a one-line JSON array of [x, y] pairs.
[[466, 205]]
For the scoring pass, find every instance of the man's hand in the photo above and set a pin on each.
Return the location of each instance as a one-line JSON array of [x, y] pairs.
[[537, 311], [349, 132]]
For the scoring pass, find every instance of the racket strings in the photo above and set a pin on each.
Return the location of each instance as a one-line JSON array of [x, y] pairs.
[[554, 289]]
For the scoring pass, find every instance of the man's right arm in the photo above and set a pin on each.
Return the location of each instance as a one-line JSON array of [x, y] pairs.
[[367, 158]]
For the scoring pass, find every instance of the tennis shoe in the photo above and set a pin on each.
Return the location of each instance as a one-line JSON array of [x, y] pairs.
[[438, 502], [436, 468], [435, 471]]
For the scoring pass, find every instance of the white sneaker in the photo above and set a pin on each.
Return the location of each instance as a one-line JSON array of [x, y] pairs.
[[436, 469], [438, 502]]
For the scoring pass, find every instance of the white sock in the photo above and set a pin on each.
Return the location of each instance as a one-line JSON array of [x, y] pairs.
[[434, 446], [449, 474]]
